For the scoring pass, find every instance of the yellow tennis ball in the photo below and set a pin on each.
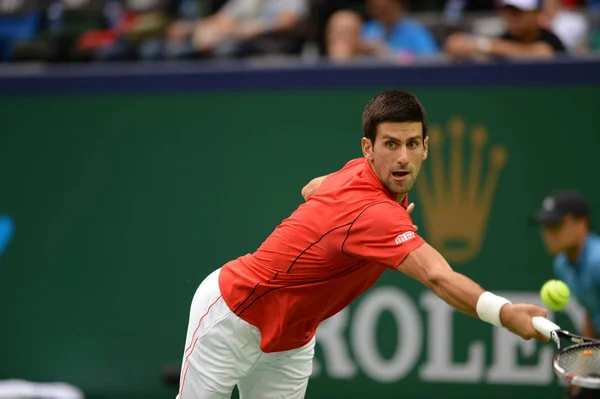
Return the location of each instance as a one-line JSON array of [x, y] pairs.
[[555, 294]]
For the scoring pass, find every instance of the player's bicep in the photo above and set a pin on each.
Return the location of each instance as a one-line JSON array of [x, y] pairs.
[[424, 264]]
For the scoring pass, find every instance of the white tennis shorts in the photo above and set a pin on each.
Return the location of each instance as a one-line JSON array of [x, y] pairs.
[[222, 350]]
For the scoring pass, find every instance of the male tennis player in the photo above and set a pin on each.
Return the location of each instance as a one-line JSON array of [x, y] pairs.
[[253, 321], [565, 220]]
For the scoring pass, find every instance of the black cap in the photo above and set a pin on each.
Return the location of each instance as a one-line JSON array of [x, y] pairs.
[[558, 205]]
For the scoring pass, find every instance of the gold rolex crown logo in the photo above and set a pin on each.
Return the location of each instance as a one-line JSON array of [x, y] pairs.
[[456, 200]]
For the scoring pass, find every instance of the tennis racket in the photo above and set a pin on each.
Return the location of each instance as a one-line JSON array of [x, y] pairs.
[[577, 364]]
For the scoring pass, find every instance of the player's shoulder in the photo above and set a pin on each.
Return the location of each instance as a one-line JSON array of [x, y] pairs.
[[355, 188], [381, 211], [346, 176], [594, 242], [594, 249], [353, 163]]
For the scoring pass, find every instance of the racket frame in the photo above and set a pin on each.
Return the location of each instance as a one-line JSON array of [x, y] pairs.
[[580, 343]]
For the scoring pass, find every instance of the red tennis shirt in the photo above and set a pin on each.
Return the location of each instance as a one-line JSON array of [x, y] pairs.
[[316, 262]]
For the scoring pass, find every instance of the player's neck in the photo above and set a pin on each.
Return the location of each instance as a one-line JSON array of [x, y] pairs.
[[400, 197]]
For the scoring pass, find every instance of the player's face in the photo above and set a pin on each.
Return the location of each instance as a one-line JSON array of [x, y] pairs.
[[560, 236], [397, 154]]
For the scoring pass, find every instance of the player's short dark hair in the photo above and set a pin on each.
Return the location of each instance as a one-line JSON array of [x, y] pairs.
[[392, 106]]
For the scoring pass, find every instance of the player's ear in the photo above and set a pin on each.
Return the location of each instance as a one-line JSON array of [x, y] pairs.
[[367, 148], [425, 147]]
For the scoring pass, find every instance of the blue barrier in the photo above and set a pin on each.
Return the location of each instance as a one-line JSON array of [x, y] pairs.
[[193, 77]]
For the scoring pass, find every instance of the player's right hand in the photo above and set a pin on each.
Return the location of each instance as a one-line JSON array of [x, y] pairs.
[[517, 318]]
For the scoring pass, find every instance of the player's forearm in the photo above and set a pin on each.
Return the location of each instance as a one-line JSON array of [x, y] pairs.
[[456, 290], [426, 265], [588, 329]]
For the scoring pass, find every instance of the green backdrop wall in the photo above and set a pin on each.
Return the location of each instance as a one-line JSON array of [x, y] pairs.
[[122, 204]]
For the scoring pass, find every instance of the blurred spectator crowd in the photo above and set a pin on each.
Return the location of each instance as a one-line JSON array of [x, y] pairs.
[[341, 30]]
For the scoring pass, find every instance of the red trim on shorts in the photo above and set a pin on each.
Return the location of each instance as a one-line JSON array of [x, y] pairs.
[[193, 346]]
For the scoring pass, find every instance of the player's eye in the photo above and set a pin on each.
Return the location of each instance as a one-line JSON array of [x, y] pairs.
[[390, 144], [413, 144]]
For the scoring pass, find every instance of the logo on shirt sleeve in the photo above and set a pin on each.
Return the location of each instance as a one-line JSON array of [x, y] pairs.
[[409, 235]]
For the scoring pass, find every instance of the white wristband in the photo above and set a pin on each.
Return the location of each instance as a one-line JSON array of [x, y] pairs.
[[488, 308]]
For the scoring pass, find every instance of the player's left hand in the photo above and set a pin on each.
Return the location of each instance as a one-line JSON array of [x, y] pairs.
[[409, 209]]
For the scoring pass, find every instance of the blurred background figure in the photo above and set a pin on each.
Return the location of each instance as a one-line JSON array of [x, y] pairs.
[[388, 33], [566, 233], [136, 25], [523, 38], [241, 28], [86, 30], [20, 21], [564, 18], [594, 14]]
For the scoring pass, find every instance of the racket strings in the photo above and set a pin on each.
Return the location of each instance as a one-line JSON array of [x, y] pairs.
[[581, 361]]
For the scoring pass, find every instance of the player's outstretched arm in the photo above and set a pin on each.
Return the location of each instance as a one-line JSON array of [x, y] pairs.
[[426, 265]]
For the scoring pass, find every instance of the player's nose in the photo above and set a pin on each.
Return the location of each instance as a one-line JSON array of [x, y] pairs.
[[402, 156]]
